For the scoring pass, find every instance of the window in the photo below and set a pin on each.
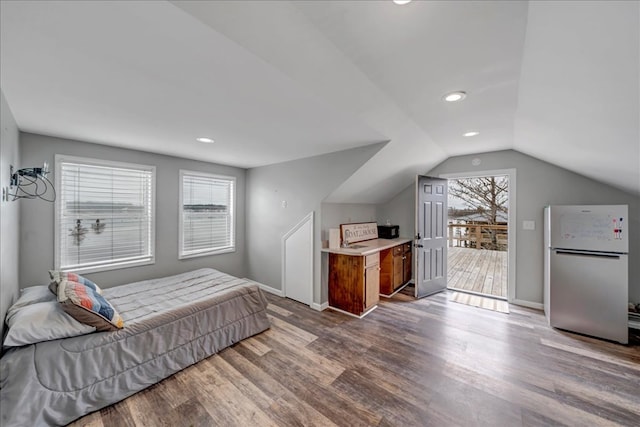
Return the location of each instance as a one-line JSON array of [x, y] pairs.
[[207, 224], [104, 214]]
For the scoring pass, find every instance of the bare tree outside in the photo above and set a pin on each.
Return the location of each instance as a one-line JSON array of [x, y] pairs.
[[480, 200], [486, 196]]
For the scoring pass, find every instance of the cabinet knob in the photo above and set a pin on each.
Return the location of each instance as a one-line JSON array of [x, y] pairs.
[[404, 257]]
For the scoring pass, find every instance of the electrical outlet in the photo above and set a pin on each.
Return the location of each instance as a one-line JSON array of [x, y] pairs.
[[528, 225]]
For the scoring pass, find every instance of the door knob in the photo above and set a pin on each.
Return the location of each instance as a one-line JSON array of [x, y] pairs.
[[418, 245]]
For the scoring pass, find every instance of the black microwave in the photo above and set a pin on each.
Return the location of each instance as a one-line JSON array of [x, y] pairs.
[[388, 231]]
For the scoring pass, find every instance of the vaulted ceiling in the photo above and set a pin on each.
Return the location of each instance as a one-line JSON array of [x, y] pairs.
[[273, 81]]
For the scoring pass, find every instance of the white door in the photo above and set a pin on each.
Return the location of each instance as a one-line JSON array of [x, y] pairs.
[[297, 274], [431, 240]]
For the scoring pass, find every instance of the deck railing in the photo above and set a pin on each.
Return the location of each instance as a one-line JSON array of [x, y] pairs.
[[478, 236]]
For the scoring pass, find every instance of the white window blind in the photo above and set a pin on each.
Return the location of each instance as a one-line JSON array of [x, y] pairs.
[[206, 214], [105, 214]]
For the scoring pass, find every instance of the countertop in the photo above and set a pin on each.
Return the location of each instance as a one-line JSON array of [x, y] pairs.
[[368, 247]]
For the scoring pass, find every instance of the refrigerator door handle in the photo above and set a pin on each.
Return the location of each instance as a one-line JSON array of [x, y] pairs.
[[589, 254]]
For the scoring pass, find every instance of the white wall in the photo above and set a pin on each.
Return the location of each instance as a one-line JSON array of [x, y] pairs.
[[303, 184], [538, 184], [37, 235], [400, 210], [9, 213]]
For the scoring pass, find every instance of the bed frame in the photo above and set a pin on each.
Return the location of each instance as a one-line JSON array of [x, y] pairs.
[[170, 324]]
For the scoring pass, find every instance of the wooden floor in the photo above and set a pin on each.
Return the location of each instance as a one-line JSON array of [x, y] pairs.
[[478, 270], [408, 363]]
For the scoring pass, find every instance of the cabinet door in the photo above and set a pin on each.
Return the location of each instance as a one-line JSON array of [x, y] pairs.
[[346, 283], [386, 272], [407, 266], [371, 286], [397, 271]]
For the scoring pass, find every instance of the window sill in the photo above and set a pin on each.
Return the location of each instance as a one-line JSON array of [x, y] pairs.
[[118, 266], [207, 253]]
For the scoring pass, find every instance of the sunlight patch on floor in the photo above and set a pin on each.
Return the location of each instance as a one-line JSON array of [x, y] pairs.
[[478, 301]]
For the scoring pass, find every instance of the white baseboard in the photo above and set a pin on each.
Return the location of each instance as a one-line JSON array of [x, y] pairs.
[[319, 307], [354, 315], [271, 290], [266, 288], [528, 304]]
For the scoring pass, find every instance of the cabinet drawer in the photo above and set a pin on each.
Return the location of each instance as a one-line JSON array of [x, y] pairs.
[[372, 259], [398, 250]]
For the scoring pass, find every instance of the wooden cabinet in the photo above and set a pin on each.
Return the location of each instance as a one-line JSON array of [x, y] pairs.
[[407, 263], [395, 268], [354, 282], [387, 270]]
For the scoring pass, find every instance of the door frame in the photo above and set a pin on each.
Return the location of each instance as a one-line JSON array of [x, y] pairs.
[[512, 226]]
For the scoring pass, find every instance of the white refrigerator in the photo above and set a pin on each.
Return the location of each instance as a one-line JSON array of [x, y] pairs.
[[586, 287]]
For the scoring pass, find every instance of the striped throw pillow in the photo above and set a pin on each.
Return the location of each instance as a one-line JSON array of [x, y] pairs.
[[82, 299]]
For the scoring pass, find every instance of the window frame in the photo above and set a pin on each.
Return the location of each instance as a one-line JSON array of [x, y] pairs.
[[63, 158], [205, 252]]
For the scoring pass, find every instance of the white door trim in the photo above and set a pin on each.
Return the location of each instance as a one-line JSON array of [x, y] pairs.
[[308, 218], [511, 239]]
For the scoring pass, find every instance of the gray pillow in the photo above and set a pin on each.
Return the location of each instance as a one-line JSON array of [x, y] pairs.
[[42, 321], [31, 295]]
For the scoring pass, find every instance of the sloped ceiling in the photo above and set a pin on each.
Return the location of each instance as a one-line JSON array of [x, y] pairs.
[[145, 75], [579, 96], [273, 81]]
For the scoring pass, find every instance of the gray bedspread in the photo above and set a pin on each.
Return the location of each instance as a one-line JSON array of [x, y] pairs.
[[170, 323]]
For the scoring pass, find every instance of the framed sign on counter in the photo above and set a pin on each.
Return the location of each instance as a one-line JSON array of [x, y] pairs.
[[358, 232]]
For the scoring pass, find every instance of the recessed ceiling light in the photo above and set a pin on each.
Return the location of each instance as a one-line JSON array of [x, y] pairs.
[[472, 133], [401, 2], [455, 96], [205, 140]]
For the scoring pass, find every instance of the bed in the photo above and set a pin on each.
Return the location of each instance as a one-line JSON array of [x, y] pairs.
[[170, 323]]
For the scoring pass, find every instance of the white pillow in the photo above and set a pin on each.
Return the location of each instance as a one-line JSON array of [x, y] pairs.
[[31, 295], [42, 321]]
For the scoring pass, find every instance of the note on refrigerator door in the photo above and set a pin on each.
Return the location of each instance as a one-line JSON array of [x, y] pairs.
[[600, 228]]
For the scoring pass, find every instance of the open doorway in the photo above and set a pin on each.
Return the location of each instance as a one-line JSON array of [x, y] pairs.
[[478, 235]]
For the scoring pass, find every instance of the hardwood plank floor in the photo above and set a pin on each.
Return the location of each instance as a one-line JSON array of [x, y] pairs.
[[477, 270], [408, 363]]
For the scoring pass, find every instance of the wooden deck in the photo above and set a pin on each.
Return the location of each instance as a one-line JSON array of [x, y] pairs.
[[480, 271]]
